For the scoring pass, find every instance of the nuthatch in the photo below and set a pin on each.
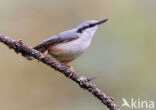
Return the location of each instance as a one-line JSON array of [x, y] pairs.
[[68, 45]]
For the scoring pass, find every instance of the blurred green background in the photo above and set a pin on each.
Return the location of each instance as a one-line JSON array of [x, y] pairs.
[[122, 53]]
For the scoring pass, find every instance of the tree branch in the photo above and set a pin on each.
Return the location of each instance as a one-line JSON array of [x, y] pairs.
[[83, 82]]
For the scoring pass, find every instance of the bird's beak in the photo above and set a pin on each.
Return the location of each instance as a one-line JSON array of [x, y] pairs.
[[101, 22]]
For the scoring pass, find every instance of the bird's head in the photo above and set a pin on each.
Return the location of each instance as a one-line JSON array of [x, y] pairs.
[[90, 26]]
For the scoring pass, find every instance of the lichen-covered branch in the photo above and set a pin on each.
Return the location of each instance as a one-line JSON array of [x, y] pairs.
[[83, 82]]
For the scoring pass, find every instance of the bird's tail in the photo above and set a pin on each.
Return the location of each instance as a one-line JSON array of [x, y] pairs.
[[28, 57]]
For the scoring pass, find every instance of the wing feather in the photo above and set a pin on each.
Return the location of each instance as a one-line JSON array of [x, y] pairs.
[[66, 36]]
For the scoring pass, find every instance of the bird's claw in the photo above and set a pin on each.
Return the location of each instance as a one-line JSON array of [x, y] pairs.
[[43, 55], [72, 70]]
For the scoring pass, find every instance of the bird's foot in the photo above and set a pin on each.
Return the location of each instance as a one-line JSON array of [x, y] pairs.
[[70, 68], [43, 55]]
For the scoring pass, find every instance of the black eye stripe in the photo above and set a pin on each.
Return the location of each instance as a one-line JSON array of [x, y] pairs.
[[80, 30]]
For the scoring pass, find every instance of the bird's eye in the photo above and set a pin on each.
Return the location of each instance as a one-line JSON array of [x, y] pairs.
[[91, 25], [79, 30]]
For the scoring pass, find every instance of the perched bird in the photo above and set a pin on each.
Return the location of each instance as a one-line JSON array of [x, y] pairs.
[[68, 45]]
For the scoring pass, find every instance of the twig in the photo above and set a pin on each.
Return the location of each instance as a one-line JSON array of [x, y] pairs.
[[83, 82]]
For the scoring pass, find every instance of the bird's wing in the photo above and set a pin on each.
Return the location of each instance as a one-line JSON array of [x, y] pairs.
[[66, 36]]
